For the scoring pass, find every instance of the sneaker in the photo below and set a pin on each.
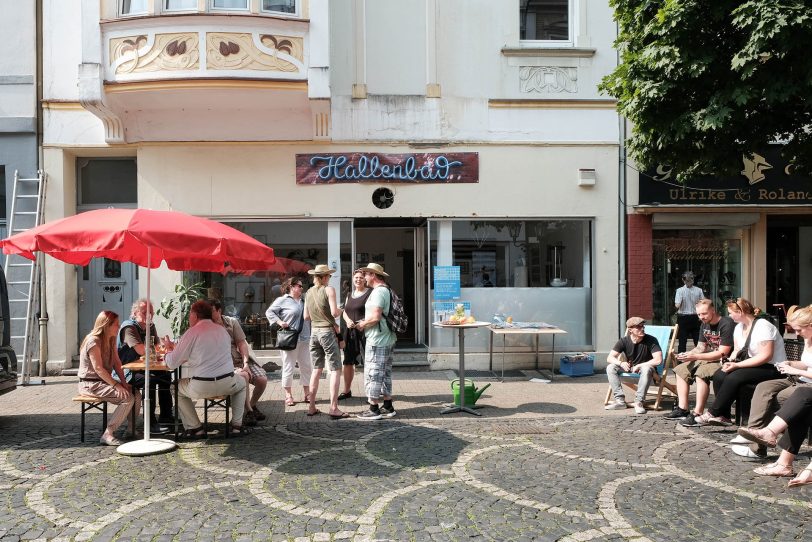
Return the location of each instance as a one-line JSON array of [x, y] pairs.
[[691, 420], [639, 408], [388, 412], [718, 420], [677, 414], [370, 414], [702, 419], [738, 439], [618, 404], [747, 452]]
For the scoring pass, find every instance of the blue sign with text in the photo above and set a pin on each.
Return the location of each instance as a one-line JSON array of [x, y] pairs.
[[446, 282]]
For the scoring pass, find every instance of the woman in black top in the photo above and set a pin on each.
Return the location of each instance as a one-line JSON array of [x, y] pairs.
[[354, 340]]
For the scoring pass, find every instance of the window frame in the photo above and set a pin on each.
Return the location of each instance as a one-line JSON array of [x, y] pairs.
[[120, 9], [212, 9], [296, 10], [165, 8], [571, 27]]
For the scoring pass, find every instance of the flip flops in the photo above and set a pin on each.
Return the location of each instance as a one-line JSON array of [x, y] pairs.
[[344, 395], [795, 482], [339, 416], [290, 402], [111, 441], [316, 413]]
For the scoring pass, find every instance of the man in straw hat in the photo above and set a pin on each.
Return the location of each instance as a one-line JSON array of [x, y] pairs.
[[380, 346], [321, 309]]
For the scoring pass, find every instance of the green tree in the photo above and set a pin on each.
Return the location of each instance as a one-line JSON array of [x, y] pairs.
[[176, 308], [706, 81]]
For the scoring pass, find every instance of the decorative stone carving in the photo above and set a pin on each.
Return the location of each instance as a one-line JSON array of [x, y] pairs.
[[91, 96], [548, 79], [159, 52], [242, 51]]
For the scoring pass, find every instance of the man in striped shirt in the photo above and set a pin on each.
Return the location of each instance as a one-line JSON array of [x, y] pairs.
[[685, 302]]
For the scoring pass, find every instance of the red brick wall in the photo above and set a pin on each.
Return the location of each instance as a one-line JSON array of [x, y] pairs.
[[639, 263]]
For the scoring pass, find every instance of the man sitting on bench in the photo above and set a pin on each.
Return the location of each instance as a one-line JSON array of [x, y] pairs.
[[205, 353]]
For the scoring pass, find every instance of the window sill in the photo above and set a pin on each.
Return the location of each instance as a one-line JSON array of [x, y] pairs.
[[535, 51]]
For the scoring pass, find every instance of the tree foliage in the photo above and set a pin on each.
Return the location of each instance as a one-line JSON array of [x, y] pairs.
[[176, 308], [706, 81]]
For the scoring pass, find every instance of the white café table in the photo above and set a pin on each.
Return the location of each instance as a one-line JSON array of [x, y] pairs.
[[504, 332], [461, 328]]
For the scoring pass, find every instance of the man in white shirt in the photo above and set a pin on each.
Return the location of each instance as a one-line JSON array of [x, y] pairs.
[[208, 371], [685, 301]]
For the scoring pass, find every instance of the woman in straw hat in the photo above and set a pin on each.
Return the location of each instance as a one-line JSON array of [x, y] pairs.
[[321, 309]]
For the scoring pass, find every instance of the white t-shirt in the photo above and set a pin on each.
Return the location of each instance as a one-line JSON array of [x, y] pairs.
[[762, 331], [806, 359]]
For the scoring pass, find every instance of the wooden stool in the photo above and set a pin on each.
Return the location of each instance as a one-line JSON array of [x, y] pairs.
[[90, 403], [222, 401]]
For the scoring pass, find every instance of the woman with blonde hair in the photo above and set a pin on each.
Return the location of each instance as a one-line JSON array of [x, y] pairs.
[[98, 359], [757, 349], [771, 394]]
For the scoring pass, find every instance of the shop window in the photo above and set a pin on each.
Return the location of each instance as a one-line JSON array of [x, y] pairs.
[[545, 20], [713, 256], [531, 270], [279, 6], [107, 181]]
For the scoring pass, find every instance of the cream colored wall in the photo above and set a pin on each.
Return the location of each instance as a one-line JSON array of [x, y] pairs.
[[234, 181]]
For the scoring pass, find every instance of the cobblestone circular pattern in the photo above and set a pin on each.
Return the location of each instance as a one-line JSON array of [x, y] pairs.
[[619, 478]]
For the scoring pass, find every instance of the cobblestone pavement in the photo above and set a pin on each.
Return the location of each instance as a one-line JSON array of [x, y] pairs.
[[529, 476]]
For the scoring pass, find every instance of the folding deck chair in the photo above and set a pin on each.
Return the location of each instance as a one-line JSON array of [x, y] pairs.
[[666, 336]]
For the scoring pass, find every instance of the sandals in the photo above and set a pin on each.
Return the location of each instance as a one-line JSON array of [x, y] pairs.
[[290, 402], [258, 415], [111, 441], [765, 436], [316, 413], [194, 434], [239, 430], [775, 469], [797, 481], [339, 416], [344, 395]]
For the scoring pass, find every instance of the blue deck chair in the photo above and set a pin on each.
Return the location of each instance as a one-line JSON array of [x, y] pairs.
[[666, 336]]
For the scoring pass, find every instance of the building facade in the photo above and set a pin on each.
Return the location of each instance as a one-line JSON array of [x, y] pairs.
[[412, 133]]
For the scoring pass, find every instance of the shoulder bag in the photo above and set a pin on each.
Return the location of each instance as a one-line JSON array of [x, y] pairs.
[[744, 352], [288, 338]]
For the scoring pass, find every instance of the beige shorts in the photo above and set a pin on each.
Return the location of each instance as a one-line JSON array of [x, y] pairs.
[[691, 370]]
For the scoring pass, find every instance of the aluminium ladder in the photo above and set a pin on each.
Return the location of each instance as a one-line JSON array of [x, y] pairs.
[[22, 274]]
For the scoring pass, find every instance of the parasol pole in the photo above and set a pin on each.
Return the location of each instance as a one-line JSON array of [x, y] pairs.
[[146, 446]]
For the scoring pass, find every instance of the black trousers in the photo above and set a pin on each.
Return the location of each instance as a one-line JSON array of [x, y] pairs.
[[726, 385], [797, 412], [688, 327], [163, 380]]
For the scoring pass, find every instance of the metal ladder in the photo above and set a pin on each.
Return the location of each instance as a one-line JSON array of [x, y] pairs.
[[22, 274]]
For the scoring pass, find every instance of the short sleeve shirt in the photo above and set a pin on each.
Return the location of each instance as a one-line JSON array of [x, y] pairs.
[[763, 331], [237, 336], [719, 334], [640, 352], [379, 334]]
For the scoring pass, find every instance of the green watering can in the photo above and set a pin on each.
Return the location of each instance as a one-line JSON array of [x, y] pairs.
[[471, 391]]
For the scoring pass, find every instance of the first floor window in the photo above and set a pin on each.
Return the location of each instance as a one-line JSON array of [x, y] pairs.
[[133, 7], [230, 4], [181, 5], [282, 6], [544, 20]]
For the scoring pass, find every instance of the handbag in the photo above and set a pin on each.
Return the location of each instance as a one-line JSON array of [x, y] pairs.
[[744, 352], [287, 339]]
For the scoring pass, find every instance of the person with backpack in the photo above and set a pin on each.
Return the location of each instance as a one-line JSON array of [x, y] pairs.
[[380, 343]]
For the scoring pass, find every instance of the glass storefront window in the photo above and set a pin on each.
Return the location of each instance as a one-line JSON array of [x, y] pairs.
[[714, 256], [299, 246], [533, 270]]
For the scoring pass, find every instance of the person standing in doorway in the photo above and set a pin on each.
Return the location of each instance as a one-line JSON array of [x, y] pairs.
[[380, 345], [685, 302], [321, 310]]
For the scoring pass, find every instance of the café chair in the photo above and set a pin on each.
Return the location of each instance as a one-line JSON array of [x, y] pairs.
[[665, 335]]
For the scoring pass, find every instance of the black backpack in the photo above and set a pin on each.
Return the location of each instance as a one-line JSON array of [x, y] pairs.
[[396, 318]]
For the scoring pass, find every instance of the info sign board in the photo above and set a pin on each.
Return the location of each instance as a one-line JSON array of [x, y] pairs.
[[446, 282]]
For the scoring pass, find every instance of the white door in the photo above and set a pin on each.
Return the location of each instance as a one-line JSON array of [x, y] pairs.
[[106, 285]]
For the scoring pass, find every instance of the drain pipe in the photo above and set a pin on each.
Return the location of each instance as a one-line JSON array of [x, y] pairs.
[[43, 309], [621, 197]]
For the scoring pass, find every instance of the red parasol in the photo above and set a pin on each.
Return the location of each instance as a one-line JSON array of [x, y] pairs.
[[146, 238]]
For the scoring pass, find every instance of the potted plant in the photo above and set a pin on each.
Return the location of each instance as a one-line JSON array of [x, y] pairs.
[[176, 308]]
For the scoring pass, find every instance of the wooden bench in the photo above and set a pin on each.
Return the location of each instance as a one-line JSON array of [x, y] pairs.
[[220, 401], [91, 403]]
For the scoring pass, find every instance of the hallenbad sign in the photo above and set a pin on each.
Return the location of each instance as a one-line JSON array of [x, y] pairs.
[[328, 168]]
